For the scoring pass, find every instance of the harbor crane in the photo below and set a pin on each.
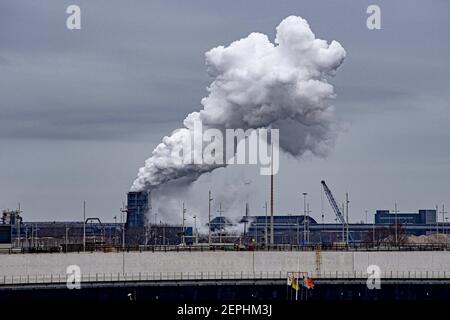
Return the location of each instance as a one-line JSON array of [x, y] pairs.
[[335, 207]]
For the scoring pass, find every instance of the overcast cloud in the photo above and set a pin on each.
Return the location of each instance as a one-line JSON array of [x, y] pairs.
[[81, 110]]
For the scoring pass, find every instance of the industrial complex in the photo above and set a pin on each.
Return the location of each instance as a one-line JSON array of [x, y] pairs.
[[251, 257], [135, 230]]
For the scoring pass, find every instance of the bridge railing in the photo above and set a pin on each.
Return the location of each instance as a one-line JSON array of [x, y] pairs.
[[199, 276]]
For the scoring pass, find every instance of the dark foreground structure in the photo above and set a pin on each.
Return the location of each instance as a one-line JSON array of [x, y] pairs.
[[234, 290]]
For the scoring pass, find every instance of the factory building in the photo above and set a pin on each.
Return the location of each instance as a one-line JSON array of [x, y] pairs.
[[166, 234], [136, 228], [56, 236], [424, 217], [292, 229], [287, 228], [5, 237], [140, 232], [135, 231], [93, 234], [66, 235], [138, 206], [220, 224]]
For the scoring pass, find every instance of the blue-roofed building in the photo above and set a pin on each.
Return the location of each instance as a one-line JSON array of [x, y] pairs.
[[291, 229], [423, 217], [287, 228]]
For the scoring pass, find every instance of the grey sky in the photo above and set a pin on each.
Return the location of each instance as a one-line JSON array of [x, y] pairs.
[[80, 111]]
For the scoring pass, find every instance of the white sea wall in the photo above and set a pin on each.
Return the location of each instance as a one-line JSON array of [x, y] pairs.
[[247, 262]]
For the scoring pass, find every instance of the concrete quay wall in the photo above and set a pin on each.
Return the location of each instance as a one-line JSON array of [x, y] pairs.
[[247, 262]]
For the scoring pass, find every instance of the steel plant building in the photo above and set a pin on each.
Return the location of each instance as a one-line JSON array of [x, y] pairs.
[[303, 229]]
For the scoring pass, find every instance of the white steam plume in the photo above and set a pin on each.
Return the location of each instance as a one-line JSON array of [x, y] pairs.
[[258, 84]]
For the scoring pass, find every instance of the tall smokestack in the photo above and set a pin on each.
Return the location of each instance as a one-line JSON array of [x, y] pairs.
[[271, 203]]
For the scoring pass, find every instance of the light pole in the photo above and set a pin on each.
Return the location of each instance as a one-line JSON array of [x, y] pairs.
[[396, 236], [19, 221], [308, 212], [265, 226], [122, 221], [32, 235], [182, 231], [443, 218], [304, 216], [272, 240], [84, 226], [343, 224], [346, 218], [195, 229], [373, 232], [247, 206], [221, 224], [67, 236], [36, 239], [156, 227], [209, 217], [115, 230], [256, 232]]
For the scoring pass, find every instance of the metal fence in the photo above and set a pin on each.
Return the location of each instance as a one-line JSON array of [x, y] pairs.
[[289, 247], [199, 276], [235, 247]]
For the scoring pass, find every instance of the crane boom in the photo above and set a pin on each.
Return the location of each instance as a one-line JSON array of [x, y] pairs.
[[334, 205]]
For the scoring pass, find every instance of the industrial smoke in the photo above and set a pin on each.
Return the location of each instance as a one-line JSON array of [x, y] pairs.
[[259, 84]]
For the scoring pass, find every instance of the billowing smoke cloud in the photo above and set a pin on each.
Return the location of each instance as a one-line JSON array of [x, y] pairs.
[[167, 200], [260, 84]]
